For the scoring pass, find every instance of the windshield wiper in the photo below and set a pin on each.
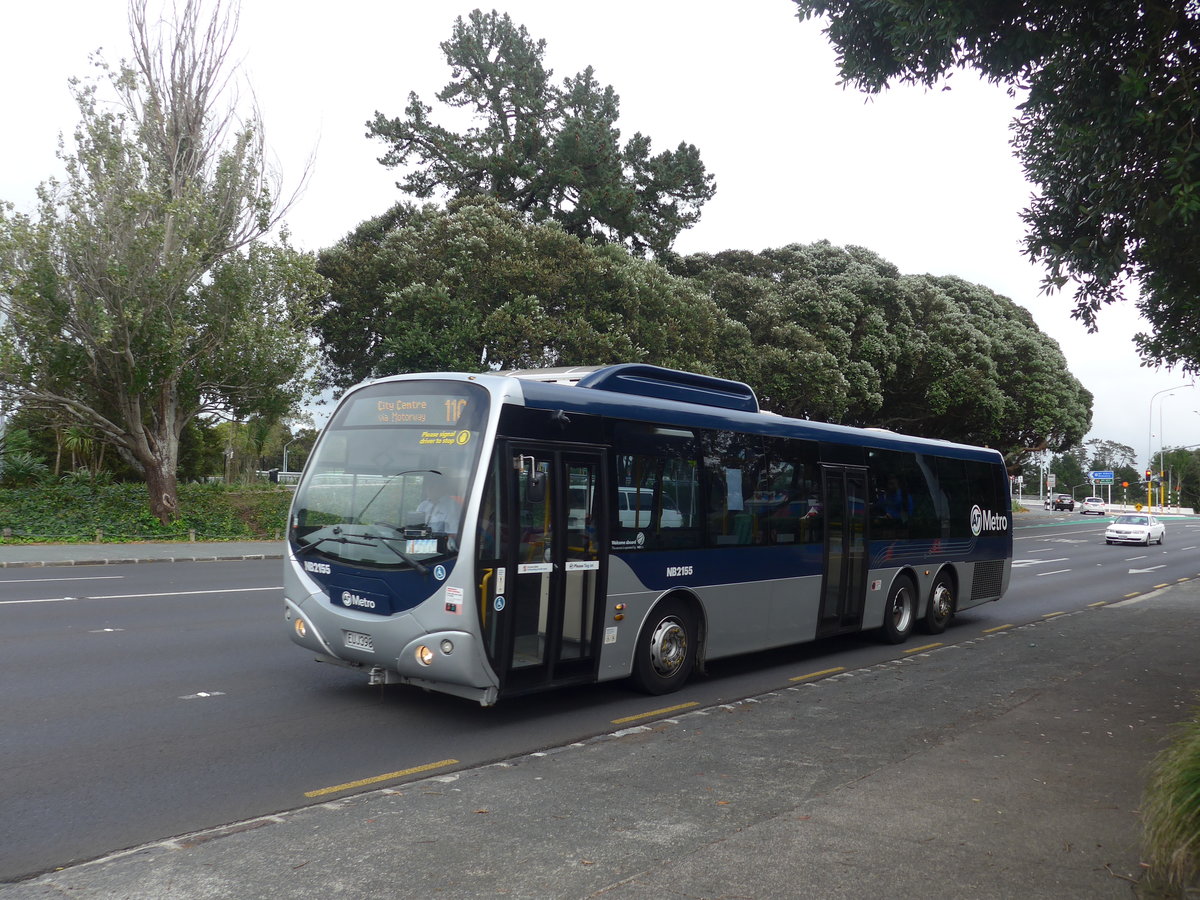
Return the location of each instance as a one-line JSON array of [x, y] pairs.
[[337, 538], [421, 568], [371, 540]]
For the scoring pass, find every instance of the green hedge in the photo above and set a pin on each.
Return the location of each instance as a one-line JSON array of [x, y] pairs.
[[121, 512]]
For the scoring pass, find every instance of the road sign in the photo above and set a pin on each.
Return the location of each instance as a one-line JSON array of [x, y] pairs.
[[1101, 477]]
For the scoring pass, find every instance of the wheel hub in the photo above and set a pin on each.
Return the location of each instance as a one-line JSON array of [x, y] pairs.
[[668, 647]]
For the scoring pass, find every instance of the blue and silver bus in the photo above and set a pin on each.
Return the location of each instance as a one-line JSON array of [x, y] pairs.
[[492, 535]]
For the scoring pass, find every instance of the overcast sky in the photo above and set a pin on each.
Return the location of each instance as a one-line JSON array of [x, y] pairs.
[[925, 179]]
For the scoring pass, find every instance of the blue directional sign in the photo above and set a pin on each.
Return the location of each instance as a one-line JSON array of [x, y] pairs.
[[1101, 477]]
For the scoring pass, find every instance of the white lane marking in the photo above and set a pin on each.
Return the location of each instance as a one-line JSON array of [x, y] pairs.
[[278, 587], [1055, 572], [77, 578], [1022, 563]]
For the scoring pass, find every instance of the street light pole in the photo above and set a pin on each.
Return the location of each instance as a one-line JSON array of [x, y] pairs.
[[1162, 452], [297, 438], [1150, 439]]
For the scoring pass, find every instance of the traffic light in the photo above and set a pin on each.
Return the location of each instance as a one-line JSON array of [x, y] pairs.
[[1148, 474]]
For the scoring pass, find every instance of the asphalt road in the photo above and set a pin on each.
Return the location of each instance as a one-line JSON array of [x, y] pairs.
[[146, 701]]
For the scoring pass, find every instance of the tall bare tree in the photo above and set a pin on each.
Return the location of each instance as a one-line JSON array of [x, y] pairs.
[[142, 294]]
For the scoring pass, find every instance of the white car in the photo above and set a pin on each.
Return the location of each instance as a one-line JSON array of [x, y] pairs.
[[1093, 505], [1135, 528], [634, 508]]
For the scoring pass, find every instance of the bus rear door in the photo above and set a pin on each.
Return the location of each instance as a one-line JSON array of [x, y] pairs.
[[843, 590]]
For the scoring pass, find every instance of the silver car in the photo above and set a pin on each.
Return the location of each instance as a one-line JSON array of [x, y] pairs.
[[1093, 505], [1135, 528]]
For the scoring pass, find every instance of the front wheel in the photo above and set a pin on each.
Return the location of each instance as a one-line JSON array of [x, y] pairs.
[[666, 649], [900, 612]]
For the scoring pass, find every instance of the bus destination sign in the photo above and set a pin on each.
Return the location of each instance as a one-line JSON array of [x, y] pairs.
[[423, 410]]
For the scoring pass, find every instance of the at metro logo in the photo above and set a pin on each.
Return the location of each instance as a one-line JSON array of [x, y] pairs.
[[985, 520]]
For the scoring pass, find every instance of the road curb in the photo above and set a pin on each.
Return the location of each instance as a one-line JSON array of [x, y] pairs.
[[126, 560]]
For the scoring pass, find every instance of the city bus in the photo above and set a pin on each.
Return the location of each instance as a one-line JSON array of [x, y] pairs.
[[492, 535]]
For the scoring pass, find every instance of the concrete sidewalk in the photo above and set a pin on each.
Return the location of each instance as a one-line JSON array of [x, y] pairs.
[[18, 555], [1005, 765]]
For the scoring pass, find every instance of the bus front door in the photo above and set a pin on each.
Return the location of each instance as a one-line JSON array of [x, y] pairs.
[[557, 557], [843, 591]]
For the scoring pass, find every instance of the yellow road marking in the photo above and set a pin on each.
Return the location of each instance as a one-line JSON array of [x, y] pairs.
[[363, 782], [925, 647], [1099, 603], [655, 712], [1052, 615], [1134, 594], [1160, 586], [818, 674], [997, 628]]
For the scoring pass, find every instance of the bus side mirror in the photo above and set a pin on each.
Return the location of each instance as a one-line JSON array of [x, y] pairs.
[[535, 487]]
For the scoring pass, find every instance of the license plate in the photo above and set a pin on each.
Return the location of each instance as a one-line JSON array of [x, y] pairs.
[[359, 641]]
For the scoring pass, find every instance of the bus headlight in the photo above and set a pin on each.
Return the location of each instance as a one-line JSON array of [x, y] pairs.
[[424, 655], [301, 628], [447, 646]]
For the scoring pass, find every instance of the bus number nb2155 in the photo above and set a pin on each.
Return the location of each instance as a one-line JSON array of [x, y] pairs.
[[506, 533]]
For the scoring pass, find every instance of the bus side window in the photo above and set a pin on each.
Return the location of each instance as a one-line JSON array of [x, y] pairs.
[[952, 478], [793, 480], [655, 504], [735, 465]]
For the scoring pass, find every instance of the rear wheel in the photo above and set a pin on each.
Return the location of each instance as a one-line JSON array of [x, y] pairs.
[[900, 612], [941, 606], [666, 649]]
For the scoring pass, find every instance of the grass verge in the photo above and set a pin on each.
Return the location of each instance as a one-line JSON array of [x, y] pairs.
[[1171, 816], [70, 513]]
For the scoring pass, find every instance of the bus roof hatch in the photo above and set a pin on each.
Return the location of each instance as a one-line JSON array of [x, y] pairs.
[[670, 384]]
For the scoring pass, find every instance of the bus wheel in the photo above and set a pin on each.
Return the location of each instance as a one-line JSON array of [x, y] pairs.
[[666, 649], [941, 606], [900, 612]]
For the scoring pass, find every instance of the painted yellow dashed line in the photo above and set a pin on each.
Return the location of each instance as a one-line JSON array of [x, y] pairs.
[[998, 628], [390, 776], [924, 647], [1098, 603], [655, 712], [819, 674], [1052, 615]]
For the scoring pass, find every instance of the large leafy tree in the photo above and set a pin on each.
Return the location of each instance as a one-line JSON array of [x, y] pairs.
[[841, 335], [1107, 132], [474, 287], [140, 294], [549, 151]]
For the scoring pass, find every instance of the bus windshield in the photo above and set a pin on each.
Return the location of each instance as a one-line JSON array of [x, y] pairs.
[[387, 481]]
